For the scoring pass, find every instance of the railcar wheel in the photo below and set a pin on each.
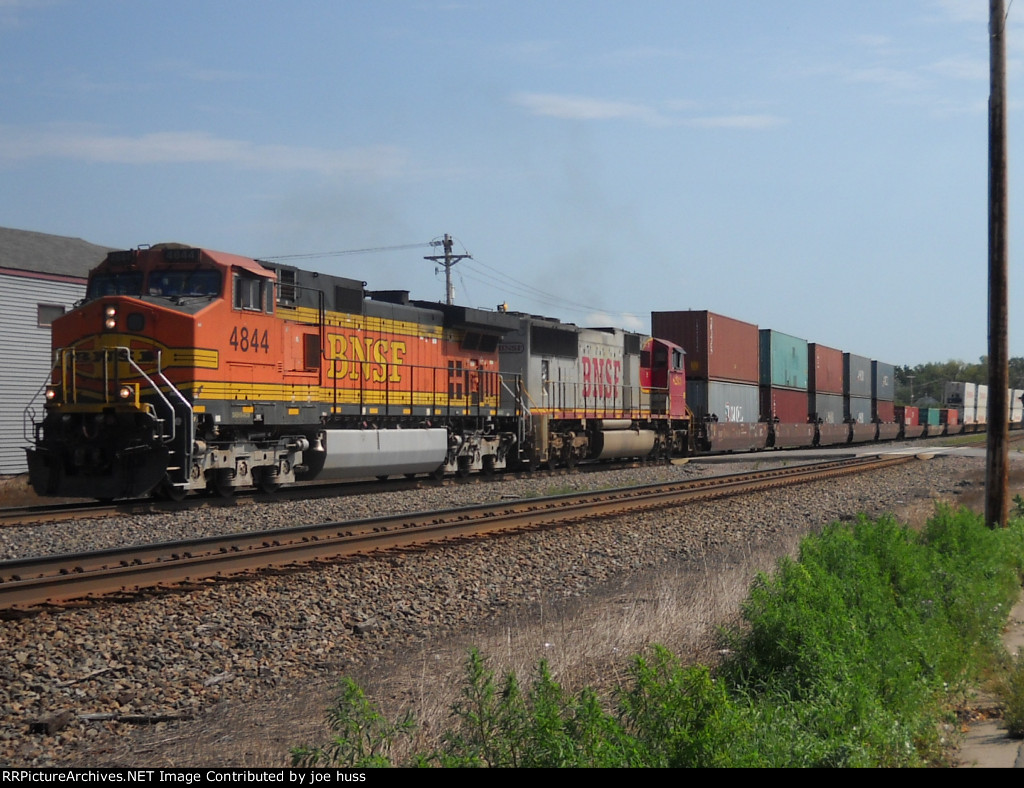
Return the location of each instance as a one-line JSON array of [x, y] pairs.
[[569, 458], [438, 473], [170, 492], [221, 484]]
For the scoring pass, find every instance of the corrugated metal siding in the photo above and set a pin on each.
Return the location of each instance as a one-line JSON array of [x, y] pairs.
[[24, 357], [728, 402], [883, 381], [717, 347], [856, 376], [783, 360], [824, 369]]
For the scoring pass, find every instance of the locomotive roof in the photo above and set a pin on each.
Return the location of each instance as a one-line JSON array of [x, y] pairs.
[[468, 317]]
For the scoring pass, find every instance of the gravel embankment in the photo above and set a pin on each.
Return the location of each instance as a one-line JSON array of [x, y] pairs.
[[249, 644]]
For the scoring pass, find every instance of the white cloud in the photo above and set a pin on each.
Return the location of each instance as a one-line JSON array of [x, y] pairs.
[[89, 145], [962, 68], [737, 122], [625, 320], [888, 77], [583, 108], [965, 10]]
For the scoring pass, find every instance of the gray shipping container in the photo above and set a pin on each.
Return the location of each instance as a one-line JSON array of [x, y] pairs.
[[883, 381], [857, 409], [783, 360], [827, 407], [857, 377], [730, 402]]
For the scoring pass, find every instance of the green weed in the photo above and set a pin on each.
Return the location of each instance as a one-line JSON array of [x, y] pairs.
[[849, 656]]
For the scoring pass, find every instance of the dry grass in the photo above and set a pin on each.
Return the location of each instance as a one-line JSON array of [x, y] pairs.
[[15, 491], [584, 644]]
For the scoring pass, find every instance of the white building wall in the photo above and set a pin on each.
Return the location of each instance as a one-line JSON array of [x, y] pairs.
[[25, 357]]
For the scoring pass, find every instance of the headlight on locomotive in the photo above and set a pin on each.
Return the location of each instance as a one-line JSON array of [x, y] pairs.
[[111, 318], [52, 395]]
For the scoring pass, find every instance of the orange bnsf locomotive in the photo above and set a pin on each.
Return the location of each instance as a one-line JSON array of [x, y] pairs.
[[186, 369]]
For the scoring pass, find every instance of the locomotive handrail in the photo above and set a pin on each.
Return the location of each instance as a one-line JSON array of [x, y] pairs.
[[29, 414], [188, 407], [128, 357]]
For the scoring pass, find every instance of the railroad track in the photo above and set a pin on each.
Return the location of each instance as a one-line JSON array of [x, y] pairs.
[[11, 516], [33, 582]]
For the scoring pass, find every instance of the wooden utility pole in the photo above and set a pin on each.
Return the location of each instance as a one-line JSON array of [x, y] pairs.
[[996, 474], [447, 260]]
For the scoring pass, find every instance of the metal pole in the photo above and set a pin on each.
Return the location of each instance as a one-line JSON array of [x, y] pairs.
[[447, 260], [996, 473]]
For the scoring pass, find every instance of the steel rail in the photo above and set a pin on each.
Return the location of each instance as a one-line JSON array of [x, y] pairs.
[[48, 514], [30, 582]]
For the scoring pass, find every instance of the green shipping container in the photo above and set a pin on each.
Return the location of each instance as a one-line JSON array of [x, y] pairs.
[[930, 416], [783, 360]]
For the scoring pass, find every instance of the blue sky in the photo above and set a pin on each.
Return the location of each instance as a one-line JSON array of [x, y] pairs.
[[818, 167]]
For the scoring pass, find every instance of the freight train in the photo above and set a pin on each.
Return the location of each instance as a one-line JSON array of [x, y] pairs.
[[187, 370]]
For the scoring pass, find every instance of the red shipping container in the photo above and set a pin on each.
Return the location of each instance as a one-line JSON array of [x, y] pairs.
[[885, 411], [908, 415], [717, 347], [824, 369], [787, 406], [949, 416]]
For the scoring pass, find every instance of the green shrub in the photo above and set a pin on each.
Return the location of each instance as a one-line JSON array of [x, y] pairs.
[[1012, 692], [848, 657], [364, 737]]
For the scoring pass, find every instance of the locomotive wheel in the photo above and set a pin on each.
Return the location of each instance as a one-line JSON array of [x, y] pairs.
[[268, 482], [488, 469], [569, 458], [463, 469], [221, 485]]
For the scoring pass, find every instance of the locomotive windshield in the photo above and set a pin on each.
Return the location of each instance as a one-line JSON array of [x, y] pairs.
[[126, 283], [171, 282]]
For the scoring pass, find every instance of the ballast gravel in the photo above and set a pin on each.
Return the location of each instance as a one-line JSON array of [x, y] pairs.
[[72, 681]]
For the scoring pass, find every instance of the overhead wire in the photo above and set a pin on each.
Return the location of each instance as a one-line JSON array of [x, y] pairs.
[[488, 275], [341, 253]]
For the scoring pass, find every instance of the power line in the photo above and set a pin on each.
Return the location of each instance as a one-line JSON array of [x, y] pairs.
[[342, 253]]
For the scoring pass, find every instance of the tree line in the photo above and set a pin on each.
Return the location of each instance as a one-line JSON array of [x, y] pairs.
[[924, 382]]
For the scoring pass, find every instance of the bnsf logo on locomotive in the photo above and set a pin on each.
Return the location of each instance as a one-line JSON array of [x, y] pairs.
[[370, 358], [601, 377]]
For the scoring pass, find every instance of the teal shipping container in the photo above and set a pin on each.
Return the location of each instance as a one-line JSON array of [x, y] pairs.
[[783, 360]]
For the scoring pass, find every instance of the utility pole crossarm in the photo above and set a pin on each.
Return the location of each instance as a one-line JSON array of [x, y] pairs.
[[447, 260]]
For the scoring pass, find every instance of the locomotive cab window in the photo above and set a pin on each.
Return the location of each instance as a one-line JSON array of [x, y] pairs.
[[249, 292], [201, 283], [115, 284]]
